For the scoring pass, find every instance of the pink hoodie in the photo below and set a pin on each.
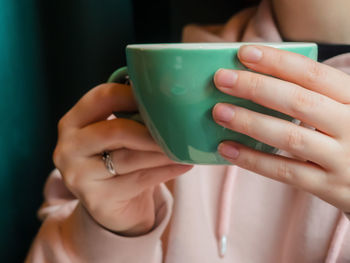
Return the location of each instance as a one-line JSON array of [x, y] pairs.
[[264, 221]]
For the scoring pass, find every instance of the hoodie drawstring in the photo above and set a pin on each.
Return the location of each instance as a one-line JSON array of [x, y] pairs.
[[338, 238], [225, 208], [225, 213]]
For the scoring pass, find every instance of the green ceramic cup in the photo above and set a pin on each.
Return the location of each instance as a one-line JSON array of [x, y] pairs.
[[173, 85]]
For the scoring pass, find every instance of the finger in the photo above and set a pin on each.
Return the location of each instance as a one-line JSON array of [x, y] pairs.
[[114, 134], [305, 143], [127, 161], [141, 180], [298, 69], [98, 104], [304, 175], [291, 99], [129, 185]]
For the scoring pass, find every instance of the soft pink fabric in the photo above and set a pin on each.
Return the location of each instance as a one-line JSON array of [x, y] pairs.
[[225, 205], [69, 234], [270, 221]]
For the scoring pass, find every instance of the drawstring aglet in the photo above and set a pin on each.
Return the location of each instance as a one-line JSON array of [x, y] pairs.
[[223, 246]]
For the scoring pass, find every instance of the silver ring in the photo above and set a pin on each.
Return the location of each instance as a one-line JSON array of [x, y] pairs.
[[106, 157]]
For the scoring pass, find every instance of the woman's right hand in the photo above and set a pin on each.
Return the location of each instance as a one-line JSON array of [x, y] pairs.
[[122, 203]]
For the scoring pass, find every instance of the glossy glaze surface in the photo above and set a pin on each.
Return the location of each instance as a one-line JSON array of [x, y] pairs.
[[175, 92]]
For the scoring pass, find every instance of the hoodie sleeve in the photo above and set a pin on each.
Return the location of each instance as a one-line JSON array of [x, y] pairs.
[[69, 234]]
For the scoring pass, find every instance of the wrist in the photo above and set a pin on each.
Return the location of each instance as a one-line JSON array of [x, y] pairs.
[[138, 230], [125, 226]]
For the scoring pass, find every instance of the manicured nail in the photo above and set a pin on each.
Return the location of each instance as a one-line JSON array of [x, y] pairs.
[[223, 112], [250, 54], [225, 78], [228, 150]]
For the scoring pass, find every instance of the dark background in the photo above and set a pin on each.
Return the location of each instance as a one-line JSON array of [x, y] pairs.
[[52, 52]]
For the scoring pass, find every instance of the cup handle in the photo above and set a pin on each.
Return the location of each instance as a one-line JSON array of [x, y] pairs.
[[121, 76]]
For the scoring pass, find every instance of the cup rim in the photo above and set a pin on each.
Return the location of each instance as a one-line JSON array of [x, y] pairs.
[[216, 45]]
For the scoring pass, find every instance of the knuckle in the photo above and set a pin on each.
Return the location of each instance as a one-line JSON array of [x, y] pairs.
[[301, 102], [284, 172], [314, 72], [102, 93], [245, 123], [105, 90], [57, 156], [255, 84], [62, 125], [63, 151], [294, 140], [71, 180]]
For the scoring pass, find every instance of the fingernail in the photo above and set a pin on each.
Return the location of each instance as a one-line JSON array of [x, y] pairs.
[[228, 150], [250, 54], [223, 112], [225, 78]]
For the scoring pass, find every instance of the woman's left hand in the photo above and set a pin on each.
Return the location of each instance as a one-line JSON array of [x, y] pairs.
[[312, 92]]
